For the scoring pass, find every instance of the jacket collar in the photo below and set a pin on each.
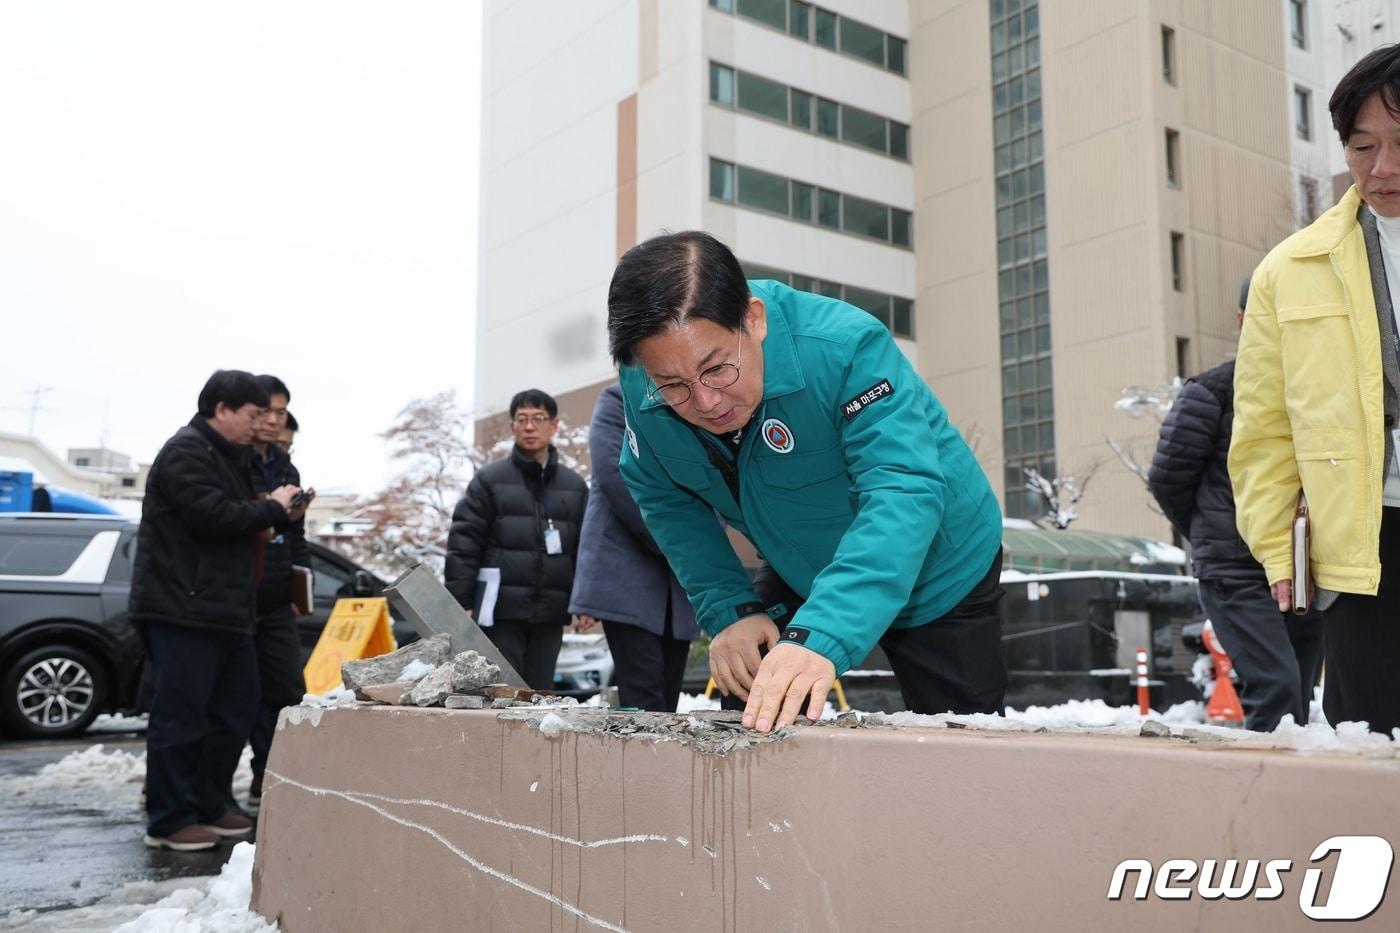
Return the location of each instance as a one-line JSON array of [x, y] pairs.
[[782, 372], [236, 452], [1328, 232], [529, 465]]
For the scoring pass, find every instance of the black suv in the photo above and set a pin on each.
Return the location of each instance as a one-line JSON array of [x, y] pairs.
[[67, 650]]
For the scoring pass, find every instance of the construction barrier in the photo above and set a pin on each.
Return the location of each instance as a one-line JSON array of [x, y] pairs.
[[357, 628]]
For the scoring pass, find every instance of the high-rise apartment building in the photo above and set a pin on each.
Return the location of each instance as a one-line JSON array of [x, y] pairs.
[[1045, 202], [780, 126]]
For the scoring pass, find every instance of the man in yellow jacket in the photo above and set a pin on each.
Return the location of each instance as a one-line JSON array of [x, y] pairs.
[[1317, 401]]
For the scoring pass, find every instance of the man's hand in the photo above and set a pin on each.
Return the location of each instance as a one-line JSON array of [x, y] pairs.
[[283, 496], [584, 624], [734, 653], [788, 675], [1283, 594]]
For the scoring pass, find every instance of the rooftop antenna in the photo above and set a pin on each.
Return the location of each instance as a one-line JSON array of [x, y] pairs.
[[36, 396]]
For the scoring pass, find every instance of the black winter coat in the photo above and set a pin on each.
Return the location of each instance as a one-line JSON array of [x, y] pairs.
[[501, 522], [283, 547], [200, 537], [1190, 480]]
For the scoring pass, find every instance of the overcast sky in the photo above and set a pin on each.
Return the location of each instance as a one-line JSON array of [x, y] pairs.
[[285, 187]]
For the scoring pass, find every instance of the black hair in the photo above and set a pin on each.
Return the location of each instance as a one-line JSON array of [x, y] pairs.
[[292, 423], [668, 279], [534, 398], [1244, 291], [274, 386], [1378, 72], [234, 388]]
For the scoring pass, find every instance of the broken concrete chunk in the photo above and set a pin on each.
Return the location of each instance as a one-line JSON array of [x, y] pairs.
[[718, 715], [464, 701], [393, 694], [502, 703], [1154, 729], [386, 668], [507, 692], [433, 689], [471, 671]]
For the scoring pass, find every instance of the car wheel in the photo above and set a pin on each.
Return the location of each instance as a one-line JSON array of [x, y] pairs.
[[53, 692]]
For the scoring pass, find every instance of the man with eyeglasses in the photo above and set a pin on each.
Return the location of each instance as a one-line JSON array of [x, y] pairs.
[[798, 420], [522, 516]]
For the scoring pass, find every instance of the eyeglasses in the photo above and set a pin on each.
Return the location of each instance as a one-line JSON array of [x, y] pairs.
[[716, 377], [536, 419]]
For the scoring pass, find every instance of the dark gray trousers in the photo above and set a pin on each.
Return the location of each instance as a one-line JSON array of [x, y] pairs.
[[1276, 655]]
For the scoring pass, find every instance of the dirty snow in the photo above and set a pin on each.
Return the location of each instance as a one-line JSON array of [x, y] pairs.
[[96, 778], [111, 722]]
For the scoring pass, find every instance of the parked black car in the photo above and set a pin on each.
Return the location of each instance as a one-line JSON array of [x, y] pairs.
[[67, 650]]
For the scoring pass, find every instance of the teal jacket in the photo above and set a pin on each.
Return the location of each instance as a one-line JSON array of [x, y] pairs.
[[851, 482]]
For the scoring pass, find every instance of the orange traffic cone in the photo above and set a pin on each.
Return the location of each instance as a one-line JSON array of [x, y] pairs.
[[1224, 707]]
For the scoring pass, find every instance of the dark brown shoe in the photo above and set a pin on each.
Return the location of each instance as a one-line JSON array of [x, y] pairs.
[[192, 838], [230, 825]]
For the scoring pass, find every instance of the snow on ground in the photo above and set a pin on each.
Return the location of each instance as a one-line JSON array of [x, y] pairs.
[[184, 905], [97, 778], [111, 722]]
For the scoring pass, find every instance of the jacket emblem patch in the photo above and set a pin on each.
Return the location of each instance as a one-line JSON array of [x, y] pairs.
[[777, 436], [631, 440], [855, 406]]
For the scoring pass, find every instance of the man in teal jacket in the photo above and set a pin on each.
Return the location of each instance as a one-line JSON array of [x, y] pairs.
[[798, 420]]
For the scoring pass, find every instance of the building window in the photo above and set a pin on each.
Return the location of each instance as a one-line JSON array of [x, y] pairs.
[[1183, 356], [774, 194], [1298, 22], [765, 98], [1307, 200], [82, 462], [1179, 261], [721, 181], [1302, 112], [808, 23], [722, 85], [897, 314], [1173, 158], [1023, 279], [128, 482], [1169, 55]]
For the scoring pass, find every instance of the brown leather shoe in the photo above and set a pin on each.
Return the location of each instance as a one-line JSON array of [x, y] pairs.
[[192, 838], [230, 825]]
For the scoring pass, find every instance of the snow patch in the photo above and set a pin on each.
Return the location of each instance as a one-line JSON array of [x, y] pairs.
[[222, 907], [110, 722], [92, 771], [416, 670]]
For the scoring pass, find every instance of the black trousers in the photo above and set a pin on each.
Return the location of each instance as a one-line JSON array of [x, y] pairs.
[[1277, 655], [531, 648], [1363, 645], [647, 667], [205, 704], [280, 677], [951, 664]]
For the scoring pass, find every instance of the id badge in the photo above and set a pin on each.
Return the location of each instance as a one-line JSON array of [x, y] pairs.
[[1395, 447], [553, 543]]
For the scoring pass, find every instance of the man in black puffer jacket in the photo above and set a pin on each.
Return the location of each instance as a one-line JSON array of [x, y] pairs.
[[276, 640], [1277, 655], [193, 596], [522, 515]]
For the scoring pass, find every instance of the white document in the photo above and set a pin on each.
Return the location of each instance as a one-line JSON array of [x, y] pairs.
[[488, 587]]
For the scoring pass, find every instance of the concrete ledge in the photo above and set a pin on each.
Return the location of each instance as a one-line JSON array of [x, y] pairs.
[[389, 818]]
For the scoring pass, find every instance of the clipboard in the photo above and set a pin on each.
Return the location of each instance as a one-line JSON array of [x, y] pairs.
[[303, 589], [488, 588]]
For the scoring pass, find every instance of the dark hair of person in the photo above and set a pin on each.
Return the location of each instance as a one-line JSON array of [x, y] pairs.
[[234, 388], [292, 423], [1244, 291], [274, 386], [1378, 72], [670, 279], [534, 398]]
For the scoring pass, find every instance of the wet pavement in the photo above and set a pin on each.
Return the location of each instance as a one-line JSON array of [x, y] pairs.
[[70, 847]]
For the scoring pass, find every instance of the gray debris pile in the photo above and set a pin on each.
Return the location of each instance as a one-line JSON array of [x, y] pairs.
[[424, 674], [710, 732]]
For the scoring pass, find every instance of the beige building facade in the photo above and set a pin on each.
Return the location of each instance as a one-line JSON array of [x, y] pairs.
[[1095, 180], [1047, 202]]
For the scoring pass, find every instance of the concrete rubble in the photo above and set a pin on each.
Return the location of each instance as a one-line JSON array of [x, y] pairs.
[[387, 668]]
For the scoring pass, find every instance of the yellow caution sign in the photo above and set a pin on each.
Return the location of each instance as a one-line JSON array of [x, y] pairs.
[[357, 628]]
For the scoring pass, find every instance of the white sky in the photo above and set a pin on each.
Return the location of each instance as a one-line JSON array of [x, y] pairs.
[[285, 187]]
